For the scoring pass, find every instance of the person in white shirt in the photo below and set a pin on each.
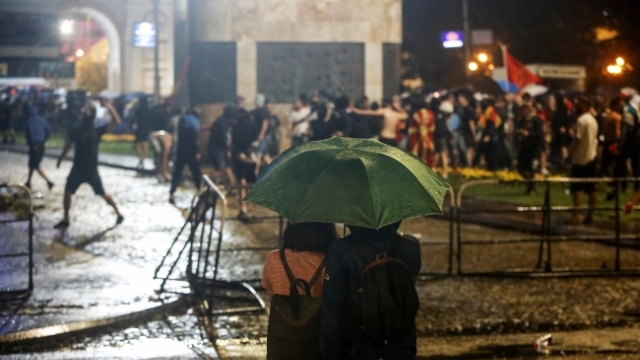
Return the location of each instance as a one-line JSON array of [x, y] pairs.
[[299, 121], [583, 153]]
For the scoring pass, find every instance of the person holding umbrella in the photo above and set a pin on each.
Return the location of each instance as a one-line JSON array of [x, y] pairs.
[[370, 187]]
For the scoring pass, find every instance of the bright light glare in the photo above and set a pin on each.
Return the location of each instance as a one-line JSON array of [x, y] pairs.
[[483, 57], [80, 53], [473, 66], [614, 69], [66, 27], [620, 61]]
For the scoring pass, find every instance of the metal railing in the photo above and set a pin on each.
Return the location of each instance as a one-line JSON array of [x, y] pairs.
[[17, 294], [544, 266], [208, 207]]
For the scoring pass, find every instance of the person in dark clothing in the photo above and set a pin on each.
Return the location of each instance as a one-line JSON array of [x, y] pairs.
[[267, 124], [244, 136], [38, 132], [6, 121], [324, 126], [219, 145], [488, 124], [468, 118], [561, 128], [341, 336], [188, 152], [343, 120], [86, 138], [530, 132], [142, 124]]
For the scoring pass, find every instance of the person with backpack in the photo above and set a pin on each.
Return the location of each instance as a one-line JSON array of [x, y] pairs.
[[299, 265], [38, 132], [369, 300]]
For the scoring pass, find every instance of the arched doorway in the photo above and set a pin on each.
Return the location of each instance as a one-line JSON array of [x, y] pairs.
[[114, 83]]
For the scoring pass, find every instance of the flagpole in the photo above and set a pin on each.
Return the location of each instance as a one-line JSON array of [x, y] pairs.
[[506, 68]]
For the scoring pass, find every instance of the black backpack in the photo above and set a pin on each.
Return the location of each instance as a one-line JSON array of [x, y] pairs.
[[294, 322], [388, 300]]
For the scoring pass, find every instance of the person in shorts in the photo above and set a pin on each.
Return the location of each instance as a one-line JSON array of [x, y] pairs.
[[583, 153], [244, 139], [38, 132], [219, 145], [86, 138]]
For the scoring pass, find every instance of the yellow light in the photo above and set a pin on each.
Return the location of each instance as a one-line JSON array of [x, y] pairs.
[[620, 61], [483, 57], [473, 66], [614, 69], [80, 53], [491, 67], [66, 27]]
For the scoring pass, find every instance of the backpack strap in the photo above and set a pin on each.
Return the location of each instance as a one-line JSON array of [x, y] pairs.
[[316, 275], [287, 269]]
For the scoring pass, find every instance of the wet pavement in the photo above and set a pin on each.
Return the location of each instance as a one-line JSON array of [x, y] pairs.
[[96, 270]]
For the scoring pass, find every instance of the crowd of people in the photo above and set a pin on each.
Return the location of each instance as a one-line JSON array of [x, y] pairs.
[[445, 129]]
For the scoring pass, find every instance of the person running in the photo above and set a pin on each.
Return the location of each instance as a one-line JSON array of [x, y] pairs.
[[583, 152], [188, 152], [86, 138], [38, 132], [392, 113]]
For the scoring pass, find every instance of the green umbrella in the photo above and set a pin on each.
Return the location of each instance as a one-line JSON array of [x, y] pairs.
[[351, 181]]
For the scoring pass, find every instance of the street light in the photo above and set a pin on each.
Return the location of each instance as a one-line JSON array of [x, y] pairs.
[[80, 53], [473, 66], [66, 28], [614, 69], [483, 57], [620, 61]]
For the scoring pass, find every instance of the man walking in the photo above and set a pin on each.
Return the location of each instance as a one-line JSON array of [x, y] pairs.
[[38, 132], [85, 161], [583, 152]]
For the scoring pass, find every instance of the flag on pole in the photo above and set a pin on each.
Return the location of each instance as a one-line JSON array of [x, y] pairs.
[[517, 73]]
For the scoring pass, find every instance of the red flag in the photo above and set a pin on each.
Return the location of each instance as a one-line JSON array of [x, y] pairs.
[[518, 74]]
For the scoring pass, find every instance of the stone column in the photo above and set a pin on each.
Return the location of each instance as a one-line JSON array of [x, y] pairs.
[[373, 70], [247, 72]]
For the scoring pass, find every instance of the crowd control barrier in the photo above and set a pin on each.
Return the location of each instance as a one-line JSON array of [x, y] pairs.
[[13, 269], [194, 258], [612, 240]]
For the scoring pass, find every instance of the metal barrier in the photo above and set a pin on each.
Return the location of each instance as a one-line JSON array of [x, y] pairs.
[[544, 264], [18, 294], [200, 273]]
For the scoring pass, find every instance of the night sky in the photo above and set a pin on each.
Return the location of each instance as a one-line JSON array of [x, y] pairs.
[[536, 31]]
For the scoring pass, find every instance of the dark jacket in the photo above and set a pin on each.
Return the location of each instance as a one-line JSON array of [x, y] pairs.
[[38, 130], [341, 337]]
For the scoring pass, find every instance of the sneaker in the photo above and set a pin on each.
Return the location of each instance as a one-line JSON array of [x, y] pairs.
[[588, 220], [28, 185], [119, 220], [50, 185], [61, 225], [172, 200]]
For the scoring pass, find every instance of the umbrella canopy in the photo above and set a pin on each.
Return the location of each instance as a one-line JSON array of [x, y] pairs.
[[352, 181]]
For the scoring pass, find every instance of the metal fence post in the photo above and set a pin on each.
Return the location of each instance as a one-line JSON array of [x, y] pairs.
[[451, 220], [617, 225]]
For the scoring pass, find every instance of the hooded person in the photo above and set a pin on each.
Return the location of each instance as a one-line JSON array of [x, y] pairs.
[[38, 132], [342, 335]]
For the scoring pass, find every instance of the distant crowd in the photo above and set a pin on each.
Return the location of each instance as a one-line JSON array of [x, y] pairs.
[[446, 129]]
